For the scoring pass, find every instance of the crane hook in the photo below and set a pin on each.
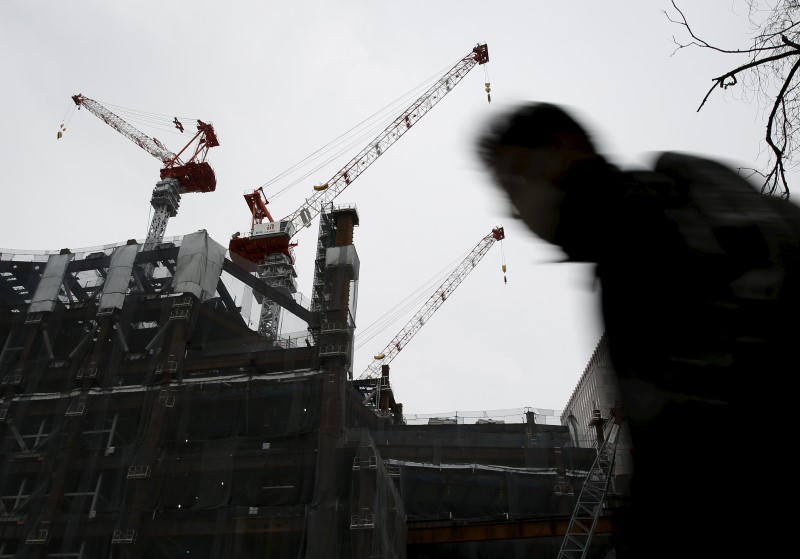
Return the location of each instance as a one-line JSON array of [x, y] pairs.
[[503, 262]]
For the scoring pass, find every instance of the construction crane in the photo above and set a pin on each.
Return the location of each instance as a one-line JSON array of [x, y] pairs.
[[186, 171], [269, 246], [433, 303]]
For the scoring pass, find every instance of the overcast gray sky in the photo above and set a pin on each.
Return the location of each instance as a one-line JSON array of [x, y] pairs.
[[280, 79]]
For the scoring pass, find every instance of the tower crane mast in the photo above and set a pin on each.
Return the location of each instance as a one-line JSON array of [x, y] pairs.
[[268, 245], [178, 176], [434, 302]]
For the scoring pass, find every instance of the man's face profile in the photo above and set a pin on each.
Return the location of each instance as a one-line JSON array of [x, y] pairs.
[[530, 176]]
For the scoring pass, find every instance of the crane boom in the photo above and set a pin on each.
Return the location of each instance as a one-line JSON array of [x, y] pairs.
[[269, 238], [150, 145], [433, 303], [326, 192]]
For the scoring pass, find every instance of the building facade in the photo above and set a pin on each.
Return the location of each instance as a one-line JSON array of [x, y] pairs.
[[597, 391]]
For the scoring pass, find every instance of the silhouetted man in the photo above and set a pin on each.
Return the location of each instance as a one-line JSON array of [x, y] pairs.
[[699, 295]]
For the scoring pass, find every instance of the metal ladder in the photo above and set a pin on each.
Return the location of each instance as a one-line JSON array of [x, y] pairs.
[[590, 501]]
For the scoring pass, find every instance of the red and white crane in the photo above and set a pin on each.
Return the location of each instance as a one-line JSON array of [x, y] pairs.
[[433, 303], [268, 244], [185, 171], [269, 237]]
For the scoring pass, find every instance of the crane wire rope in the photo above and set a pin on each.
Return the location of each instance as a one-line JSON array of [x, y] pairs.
[[144, 116], [152, 121], [353, 142], [503, 261], [353, 137], [395, 314], [68, 115], [356, 141], [322, 150], [487, 83], [412, 301], [65, 120]]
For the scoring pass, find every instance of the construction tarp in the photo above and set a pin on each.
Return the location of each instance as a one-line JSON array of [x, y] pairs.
[[343, 256], [119, 274], [199, 266], [44, 300]]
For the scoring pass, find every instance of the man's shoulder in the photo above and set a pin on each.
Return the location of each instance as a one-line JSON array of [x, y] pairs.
[[723, 196], [689, 202]]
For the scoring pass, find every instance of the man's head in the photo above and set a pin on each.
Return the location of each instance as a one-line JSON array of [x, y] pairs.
[[530, 151]]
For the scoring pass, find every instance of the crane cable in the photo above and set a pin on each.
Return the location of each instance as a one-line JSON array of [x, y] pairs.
[[412, 301], [503, 262], [65, 121], [487, 84], [318, 152], [352, 137], [157, 121], [355, 136], [401, 309], [351, 144], [140, 119]]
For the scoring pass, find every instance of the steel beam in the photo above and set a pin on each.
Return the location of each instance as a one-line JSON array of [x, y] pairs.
[[462, 531]]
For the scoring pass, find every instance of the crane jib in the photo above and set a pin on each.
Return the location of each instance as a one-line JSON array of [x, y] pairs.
[[433, 303], [377, 147]]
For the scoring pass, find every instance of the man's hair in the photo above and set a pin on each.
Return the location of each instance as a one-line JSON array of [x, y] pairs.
[[533, 125]]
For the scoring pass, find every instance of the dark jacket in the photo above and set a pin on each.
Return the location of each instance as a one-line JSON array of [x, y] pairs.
[[699, 275]]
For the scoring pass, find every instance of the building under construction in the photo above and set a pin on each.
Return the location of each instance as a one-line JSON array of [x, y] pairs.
[[143, 416]]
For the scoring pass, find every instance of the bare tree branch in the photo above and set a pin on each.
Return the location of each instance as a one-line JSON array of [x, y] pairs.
[[720, 81], [700, 42], [770, 75]]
